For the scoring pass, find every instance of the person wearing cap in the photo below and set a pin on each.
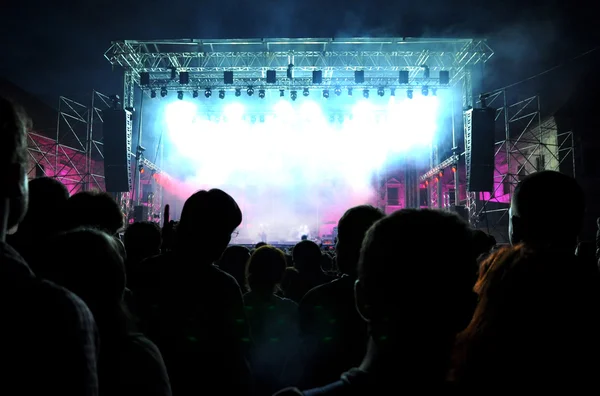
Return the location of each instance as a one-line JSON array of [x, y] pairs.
[[191, 309]]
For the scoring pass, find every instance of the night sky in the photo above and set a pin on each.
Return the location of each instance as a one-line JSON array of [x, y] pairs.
[[56, 48]]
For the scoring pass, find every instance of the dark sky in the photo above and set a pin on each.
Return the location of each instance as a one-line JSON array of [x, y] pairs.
[[56, 48]]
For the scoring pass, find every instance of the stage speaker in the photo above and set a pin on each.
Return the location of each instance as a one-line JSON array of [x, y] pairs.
[[317, 77], [116, 141], [184, 78], [144, 78], [359, 76], [228, 77], [444, 77], [403, 77], [481, 164], [140, 213], [271, 76]]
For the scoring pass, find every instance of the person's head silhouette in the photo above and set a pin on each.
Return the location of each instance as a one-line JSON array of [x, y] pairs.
[[13, 161], [307, 257], [352, 228], [94, 209], [47, 202], [537, 220], [207, 221], [415, 289]]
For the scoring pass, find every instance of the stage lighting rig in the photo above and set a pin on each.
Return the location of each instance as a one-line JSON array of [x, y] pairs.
[[326, 93], [337, 91], [366, 93], [349, 91], [425, 90], [195, 94], [238, 92], [294, 95], [250, 91], [305, 92], [222, 94], [115, 101], [281, 93], [380, 91], [208, 92], [392, 91], [153, 93], [163, 92], [261, 93], [409, 93], [180, 95]]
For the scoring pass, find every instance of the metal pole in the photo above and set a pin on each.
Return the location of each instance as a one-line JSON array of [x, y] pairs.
[[138, 157], [455, 152]]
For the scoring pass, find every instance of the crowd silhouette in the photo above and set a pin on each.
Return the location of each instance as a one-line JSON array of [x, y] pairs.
[[413, 301]]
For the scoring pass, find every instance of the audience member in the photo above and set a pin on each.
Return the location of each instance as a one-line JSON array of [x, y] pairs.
[[48, 338], [94, 209], [233, 261], [334, 334]]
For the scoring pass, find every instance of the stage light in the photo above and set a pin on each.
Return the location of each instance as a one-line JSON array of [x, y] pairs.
[[326, 93], [208, 92], [434, 91], [290, 71], [180, 95], [293, 95], [195, 93], [392, 91], [261, 93], [380, 91], [153, 94], [250, 91], [305, 92], [141, 168], [337, 91], [366, 93], [281, 93], [425, 90], [454, 169], [222, 94], [163, 92], [425, 71], [409, 93], [238, 92], [349, 91]]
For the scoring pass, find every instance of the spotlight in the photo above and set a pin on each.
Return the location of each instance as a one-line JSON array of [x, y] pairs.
[[261, 93], [337, 91], [141, 168], [222, 94], [434, 91], [195, 93], [208, 92], [238, 92], [180, 95], [153, 94], [293, 94], [250, 91], [281, 93], [380, 91], [326, 93], [425, 90], [163, 92], [409, 93], [349, 91], [305, 92], [366, 93], [392, 91]]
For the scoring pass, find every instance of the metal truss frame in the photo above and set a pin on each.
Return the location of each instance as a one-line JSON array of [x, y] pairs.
[[380, 58]]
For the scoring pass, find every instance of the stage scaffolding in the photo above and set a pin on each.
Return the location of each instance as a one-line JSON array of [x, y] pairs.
[[74, 153], [526, 143]]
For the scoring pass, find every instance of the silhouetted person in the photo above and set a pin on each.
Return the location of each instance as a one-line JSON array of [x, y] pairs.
[[193, 310], [142, 240], [94, 209], [48, 338], [335, 336], [44, 218], [273, 321], [414, 307], [307, 260], [482, 244], [92, 267], [530, 330], [233, 261]]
